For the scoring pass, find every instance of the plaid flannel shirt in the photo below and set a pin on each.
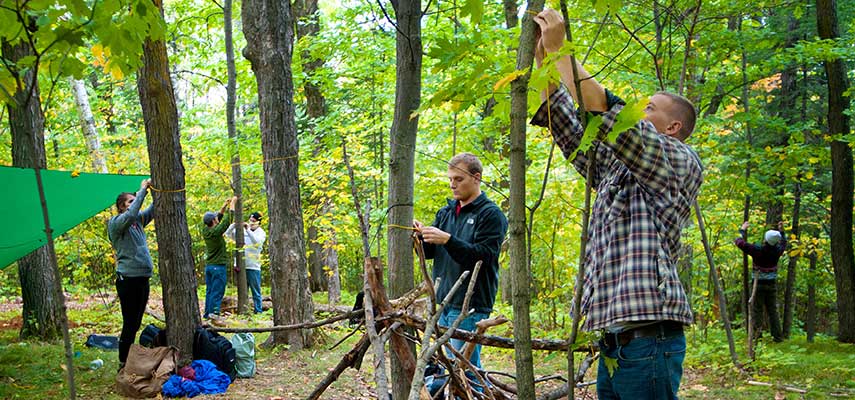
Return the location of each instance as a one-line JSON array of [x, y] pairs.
[[646, 183]]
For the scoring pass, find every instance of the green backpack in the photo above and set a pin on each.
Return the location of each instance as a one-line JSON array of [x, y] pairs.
[[244, 345]]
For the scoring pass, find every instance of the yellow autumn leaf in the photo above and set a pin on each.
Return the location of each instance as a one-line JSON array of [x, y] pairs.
[[75, 174], [507, 79], [116, 72], [809, 175]]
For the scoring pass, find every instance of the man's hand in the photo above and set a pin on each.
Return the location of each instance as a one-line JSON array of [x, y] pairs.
[[435, 235], [551, 29], [744, 225], [418, 225], [232, 202], [145, 184]]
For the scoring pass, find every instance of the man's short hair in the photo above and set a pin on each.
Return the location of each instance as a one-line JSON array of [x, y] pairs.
[[473, 164], [684, 112]]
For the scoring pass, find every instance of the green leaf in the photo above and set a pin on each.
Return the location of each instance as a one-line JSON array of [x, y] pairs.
[[474, 9], [591, 132], [628, 117], [611, 365]]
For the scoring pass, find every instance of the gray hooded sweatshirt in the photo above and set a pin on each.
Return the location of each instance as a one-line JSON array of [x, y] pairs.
[[128, 238]]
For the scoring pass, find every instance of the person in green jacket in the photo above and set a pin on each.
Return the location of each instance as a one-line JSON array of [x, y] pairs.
[[216, 256]]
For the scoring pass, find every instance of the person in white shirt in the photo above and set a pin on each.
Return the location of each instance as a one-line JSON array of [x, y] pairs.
[[253, 237]]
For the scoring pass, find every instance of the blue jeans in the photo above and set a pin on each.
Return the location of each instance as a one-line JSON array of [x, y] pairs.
[[215, 288], [647, 368], [253, 280], [447, 318]]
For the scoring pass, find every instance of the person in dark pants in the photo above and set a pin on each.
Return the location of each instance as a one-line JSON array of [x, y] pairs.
[[216, 256], [133, 262], [765, 258]]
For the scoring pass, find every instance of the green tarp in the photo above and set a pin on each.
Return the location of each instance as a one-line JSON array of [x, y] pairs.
[[71, 199]]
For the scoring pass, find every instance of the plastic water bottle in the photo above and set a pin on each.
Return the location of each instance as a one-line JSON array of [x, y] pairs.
[[96, 363]]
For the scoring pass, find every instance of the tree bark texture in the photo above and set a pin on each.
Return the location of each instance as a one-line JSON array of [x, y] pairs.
[[175, 261], [810, 315], [323, 258], [43, 312], [792, 264], [87, 125], [506, 289], [841, 178], [402, 137], [269, 29], [237, 184], [520, 270]]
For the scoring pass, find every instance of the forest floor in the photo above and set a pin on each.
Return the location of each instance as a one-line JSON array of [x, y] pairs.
[[825, 368]]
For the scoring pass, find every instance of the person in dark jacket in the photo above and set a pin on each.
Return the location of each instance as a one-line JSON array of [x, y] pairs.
[[469, 229], [133, 262], [765, 258]]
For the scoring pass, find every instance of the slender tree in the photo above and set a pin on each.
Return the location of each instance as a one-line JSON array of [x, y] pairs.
[[520, 270], [268, 26], [175, 260], [237, 183], [43, 312], [323, 257], [87, 125], [408, 88], [842, 258]]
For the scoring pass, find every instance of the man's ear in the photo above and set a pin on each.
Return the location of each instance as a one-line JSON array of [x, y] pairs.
[[674, 128], [477, 176]]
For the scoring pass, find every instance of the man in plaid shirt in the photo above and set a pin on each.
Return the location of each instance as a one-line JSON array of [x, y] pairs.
[[646, 183]]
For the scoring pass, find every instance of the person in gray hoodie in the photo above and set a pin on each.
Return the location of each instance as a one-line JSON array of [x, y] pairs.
[[133, 262]]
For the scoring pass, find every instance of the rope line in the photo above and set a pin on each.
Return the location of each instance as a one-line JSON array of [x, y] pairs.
[[166, 191]]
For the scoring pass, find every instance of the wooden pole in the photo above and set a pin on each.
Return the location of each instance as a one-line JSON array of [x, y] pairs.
[[69, 350]]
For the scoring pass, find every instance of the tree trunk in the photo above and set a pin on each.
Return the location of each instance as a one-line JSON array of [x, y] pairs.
[[269, 29], [323, 258], [87, 125], [237, 183], [334, 279], [810, 315], [175, 261], [505, 280], [791, 265], [43, 312], [746, 209], [518, 255], [841, 173], [402, 137]]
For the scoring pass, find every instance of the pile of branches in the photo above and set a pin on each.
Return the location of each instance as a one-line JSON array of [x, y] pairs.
[[385, 320]]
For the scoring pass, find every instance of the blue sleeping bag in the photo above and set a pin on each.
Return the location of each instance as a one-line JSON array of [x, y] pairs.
[[209, 380]]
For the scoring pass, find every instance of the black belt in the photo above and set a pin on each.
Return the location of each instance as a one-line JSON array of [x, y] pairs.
[[660, 329]]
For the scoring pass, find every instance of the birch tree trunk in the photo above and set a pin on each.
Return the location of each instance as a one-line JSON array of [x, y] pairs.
[[175, 261], [268, 26], [87, 125]]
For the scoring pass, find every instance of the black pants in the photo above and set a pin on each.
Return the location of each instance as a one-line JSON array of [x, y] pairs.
[[766, 298], [133, 296]]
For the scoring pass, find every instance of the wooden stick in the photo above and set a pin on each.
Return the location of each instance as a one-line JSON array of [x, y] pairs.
[[305, 325], [481, 328], [353, 358], [777, 386], [498, 341]]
